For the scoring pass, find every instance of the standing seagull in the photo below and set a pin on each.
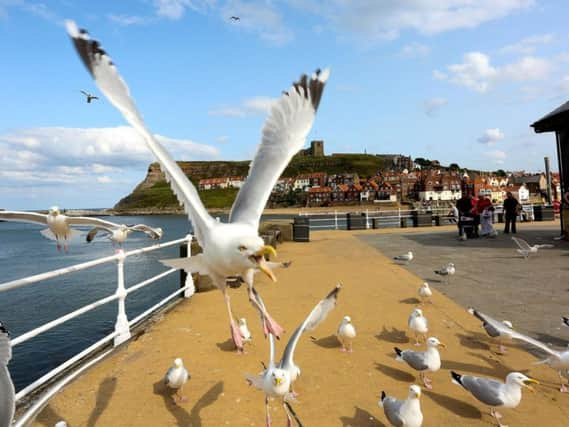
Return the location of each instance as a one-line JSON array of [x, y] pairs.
[[175, 378], [418, 324], [495, 393], [234, 248], [277, 379], [446, 271], [403, 413], [494, 328], [425, 293], [346, 333], [89, 96], [7, 392], [423, 361], [525, 249], [404, 258]]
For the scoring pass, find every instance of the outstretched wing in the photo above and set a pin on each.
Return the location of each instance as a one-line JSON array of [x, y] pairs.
[[545, 246], [90, 221], [316, 316], [494, 327], [284, 133], [23, 217], [522, 244], [115, 89], [153, 233], [535, 343]]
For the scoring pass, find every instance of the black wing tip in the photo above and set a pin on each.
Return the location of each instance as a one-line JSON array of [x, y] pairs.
[[398, 351], [565, 320], [3, 329], [313, 86], [383, 395], [457, 377], [334, 292]]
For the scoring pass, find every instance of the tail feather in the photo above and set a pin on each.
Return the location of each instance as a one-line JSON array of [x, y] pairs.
[[48, 234], [383, 396], [399, 352]]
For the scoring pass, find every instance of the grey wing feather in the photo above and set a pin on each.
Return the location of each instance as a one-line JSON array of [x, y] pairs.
[[284, 133], [167, 376], [415, 359], [91, 222], [485, 390], [316, 316], [522, 244], [153, 233], [93, 232], [493, 327], [545, 246], [392, 409], [23, 217], [109, 81], [535, 343]]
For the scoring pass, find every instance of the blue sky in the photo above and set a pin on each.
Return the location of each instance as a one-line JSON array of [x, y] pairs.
[[452, 80]]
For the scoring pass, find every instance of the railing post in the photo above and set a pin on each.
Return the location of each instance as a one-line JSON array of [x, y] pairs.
[[367, 219], [189, 279], [335, 220], [121, 326]]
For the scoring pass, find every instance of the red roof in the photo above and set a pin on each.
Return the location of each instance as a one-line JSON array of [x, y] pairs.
[[320, 190]]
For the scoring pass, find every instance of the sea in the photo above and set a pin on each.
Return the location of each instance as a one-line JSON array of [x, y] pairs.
[[24, 252]]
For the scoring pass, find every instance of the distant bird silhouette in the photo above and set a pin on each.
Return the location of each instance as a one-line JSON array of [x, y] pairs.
[[235, 18], [89, 96]]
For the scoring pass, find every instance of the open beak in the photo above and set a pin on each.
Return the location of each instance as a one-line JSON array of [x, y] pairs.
[[528, 382], [278, 381], [260, 259]]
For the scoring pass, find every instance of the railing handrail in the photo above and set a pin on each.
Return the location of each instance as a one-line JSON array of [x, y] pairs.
[[6, 286], [121, 332]]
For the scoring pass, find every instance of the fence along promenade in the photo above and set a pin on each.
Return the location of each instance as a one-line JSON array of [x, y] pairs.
[[122, 330]]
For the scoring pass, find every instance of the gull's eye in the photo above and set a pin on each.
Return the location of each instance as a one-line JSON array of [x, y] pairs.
[[242, 248]]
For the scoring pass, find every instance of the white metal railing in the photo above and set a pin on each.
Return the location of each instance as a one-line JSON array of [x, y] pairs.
[[334, 220], [123, 326]]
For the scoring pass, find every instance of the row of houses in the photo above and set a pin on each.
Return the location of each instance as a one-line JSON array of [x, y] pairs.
[[319, 188]]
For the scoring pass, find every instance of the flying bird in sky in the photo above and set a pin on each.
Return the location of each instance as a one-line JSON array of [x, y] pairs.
[[235, 18], [89, 96], [235, 248]]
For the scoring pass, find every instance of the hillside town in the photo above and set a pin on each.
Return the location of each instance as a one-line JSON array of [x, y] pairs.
[[405, 181]]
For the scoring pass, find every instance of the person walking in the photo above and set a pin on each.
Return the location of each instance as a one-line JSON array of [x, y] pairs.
[[511, 208]]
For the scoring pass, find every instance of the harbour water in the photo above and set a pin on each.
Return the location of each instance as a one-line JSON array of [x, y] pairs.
[[24, 252]]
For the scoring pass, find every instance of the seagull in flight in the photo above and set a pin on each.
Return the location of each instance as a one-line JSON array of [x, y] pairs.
[[235, 248], [235, 18], [277, 378], [89, 96], [525, 249], [118, 233]]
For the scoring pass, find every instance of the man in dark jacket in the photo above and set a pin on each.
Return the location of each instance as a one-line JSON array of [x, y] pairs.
[[511, 207]]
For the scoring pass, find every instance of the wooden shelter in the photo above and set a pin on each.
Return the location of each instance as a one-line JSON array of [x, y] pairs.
[[558, 121]]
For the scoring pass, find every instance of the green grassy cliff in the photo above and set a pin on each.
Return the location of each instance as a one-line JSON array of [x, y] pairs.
[[154, 192]]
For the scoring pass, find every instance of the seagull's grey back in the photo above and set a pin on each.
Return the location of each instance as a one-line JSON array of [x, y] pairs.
[[415, 359], [486, 390], [391, 407]]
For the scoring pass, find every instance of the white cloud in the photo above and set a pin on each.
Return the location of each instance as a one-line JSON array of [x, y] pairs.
[[386, 19], [104, 179], [491, 136], [34, 8], [497, 156], [477, 73], [431, 106], [76, 155], [528, 45], [175, 9], [127, 20], [415, 50], [250, 106]]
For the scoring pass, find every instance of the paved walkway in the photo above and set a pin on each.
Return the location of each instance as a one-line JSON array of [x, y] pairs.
[[336, 389]]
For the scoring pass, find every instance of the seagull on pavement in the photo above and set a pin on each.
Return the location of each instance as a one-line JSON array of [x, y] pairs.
[[495, 393], [446, 271], [277, 378], [425, 292], [418, 324], [525, 249], [423, 361], [403, 413], [175, 378], [7, 392], [494, 328], [404, 258], [234, 248], [346, 333]]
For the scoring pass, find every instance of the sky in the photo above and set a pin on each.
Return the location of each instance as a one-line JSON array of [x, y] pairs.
[[454, 80]]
